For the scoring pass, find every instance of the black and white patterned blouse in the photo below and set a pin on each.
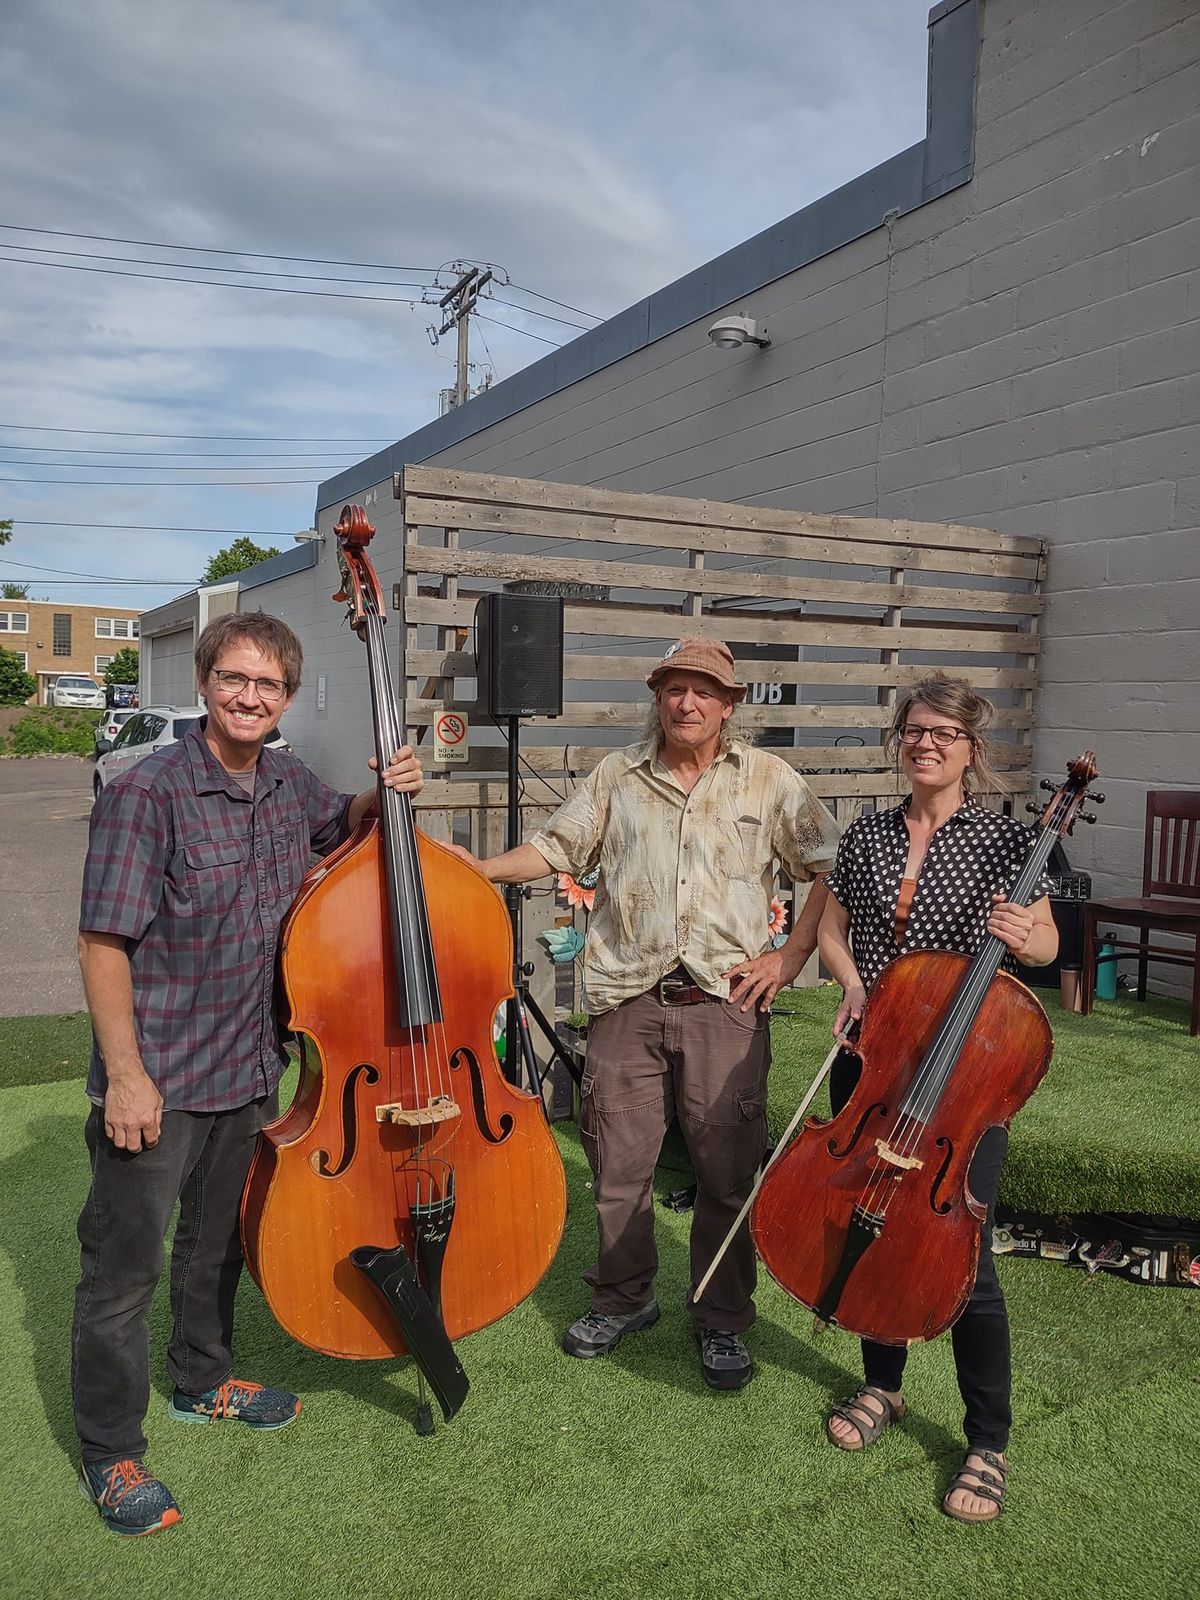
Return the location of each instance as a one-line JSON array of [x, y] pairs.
[[973, 855]]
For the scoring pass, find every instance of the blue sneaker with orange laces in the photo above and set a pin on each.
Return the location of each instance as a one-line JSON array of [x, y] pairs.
[[128, 1497], [237, 1400]]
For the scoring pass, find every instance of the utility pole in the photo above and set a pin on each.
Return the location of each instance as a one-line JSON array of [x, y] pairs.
[[457, 305]]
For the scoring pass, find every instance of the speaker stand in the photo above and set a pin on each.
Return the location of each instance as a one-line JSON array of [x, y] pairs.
[[518, 1041]]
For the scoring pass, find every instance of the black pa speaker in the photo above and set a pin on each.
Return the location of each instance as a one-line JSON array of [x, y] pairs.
[[519, 654]]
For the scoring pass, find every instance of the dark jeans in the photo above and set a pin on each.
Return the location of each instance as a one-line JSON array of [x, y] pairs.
[[201, 1161], [980, 1337]]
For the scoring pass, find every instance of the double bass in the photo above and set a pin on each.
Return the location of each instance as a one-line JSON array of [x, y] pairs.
[[867, 1218], [410, 1194]]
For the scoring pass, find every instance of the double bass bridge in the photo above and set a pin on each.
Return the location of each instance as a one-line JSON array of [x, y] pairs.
[[438, 1108]]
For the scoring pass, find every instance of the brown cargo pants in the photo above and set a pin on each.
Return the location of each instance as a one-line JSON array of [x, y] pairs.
[[646, 1062]]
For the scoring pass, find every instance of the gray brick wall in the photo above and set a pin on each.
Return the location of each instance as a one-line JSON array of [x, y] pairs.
[[1020, 353]]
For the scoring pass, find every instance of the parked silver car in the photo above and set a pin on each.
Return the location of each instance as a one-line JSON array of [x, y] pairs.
[[149, 730], [107, 729], [75, 689]]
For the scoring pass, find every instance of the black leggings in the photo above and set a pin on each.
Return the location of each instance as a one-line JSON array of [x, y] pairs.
[[980, 1337]]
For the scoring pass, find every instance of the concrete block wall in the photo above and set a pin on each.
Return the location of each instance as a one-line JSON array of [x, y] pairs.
[[1048, 379], [1020, 353]]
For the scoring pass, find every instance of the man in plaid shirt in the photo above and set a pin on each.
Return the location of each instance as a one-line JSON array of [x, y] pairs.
[[195, 855]]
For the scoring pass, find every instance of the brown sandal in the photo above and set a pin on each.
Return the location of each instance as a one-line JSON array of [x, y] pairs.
[[987, 1485], [868, 1424]]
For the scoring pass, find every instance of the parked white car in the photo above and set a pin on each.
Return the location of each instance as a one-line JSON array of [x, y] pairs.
[[149, 730], [73, 689], [109, 726]]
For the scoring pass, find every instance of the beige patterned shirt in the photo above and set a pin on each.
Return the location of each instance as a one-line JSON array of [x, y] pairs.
[[683, 878]]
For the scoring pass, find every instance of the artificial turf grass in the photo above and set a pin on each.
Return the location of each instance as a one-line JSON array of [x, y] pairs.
[[612, 1478], [44, 1049], [1114, 1125]]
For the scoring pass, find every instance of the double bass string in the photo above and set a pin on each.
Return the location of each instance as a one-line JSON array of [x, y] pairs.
[[406, 866]]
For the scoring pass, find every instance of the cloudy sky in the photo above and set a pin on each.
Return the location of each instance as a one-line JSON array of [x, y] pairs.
[[594, 151]]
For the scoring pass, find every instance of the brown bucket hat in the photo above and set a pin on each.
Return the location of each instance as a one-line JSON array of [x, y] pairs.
[[696, 654]]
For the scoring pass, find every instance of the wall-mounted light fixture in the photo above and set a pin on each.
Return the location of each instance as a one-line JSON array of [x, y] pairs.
[[309, 536], [731, 332]]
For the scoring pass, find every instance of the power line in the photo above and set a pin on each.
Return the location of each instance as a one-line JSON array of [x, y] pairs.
[[266, 255], [211, 250], [146, 527], [146, 466], [191, 266], [230, 455], [105, 577], [208, 283], [152, 483], [228, 438], [512, 327]]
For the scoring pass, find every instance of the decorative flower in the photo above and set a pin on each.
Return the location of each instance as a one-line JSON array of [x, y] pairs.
[[777, 921], [577, 894]]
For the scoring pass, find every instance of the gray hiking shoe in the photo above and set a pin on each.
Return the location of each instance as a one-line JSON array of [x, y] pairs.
[[724, 1360], [597, 1333]]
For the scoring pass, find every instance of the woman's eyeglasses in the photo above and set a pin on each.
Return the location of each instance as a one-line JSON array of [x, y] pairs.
[[943, 738], [236, 682]]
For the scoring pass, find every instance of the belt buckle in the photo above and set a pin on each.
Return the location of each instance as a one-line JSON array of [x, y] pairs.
[[669, 991]]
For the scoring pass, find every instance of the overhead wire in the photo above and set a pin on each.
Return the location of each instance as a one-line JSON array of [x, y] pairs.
[[227, 438]]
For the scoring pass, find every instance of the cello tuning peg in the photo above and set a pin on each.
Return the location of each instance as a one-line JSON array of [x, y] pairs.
[[1033, 808], [1047, 786], [1087, 816], [1096, 799]]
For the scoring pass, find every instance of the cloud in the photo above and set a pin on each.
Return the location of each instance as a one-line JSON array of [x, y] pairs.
[[596, 152]]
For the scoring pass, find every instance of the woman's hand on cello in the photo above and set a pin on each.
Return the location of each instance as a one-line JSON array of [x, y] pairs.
[[851, 1008], [1011, 924], [403, 772]]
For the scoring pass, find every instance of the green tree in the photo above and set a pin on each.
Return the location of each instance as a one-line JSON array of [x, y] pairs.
[[123, 668], [5, 531], [242, 553], [16, 685], [14, 591]]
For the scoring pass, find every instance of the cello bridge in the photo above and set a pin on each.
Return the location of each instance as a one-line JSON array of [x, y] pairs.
[[894, 1159], [440, 1108]]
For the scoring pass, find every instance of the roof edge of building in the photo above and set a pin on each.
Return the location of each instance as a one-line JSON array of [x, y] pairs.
[[942, 161]]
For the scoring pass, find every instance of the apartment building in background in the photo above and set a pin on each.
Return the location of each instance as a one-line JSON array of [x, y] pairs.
[[50, 638]]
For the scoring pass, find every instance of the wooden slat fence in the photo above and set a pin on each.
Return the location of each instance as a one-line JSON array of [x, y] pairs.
[[839, 612]]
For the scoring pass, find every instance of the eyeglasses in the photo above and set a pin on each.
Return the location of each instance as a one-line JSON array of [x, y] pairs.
[[943, 738], [236, 682]]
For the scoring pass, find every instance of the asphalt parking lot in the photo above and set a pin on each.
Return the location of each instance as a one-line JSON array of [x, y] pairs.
[[45, 802]]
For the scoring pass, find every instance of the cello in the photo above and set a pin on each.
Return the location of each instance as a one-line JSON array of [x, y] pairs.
[[867, 1217], [410, 1194]]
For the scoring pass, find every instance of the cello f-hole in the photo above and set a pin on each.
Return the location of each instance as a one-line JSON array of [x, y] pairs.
[[941, 1207], [320, 1158], [837, 1154]]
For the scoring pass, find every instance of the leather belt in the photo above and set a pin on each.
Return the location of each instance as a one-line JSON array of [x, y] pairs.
[[678, 989]]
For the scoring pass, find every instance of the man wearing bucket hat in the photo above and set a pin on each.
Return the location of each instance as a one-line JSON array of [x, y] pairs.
[[688, 828]]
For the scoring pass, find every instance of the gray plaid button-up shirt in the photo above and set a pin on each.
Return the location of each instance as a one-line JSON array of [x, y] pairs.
[[197, 876]]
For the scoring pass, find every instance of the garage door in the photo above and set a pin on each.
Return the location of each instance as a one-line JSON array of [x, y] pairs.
[[172, 679]]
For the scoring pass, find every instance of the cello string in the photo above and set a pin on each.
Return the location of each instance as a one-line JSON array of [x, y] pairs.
[[911, 1125], [948, 1045]]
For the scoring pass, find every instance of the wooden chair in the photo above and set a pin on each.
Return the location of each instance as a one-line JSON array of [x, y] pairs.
[[1169, 901]]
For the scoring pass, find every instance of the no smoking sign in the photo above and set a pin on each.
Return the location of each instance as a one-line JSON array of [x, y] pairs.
[[450, 739]]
